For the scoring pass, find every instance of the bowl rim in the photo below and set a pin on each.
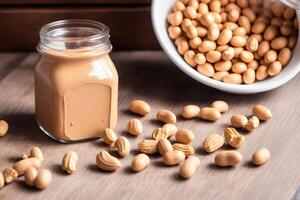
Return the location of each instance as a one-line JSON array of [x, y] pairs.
[[257, 87]]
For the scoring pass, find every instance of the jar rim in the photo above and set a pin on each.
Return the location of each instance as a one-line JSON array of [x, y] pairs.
[[44, 31], [74, 34]]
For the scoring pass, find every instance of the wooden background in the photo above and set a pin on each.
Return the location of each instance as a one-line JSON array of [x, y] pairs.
[[151, 76], [128, 20]]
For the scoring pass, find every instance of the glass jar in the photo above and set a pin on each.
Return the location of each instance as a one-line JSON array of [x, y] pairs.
[[76, 82]]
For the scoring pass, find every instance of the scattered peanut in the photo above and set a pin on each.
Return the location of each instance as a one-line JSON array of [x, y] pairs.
[[190, 111], [69, 162], [189, 167], [10, 174], [239, 121], [36, 152], [170, 129], [212, 143], [173, 157], [220, 105], [228, 158], [140, 162], [208, 113], [185, 148], [135, 127], [148, 146], [166, 116], [159, 133], [252, 123], [233, 138], [3, 128], [262, 112], [22, 165], [43, 179], [30, 176], [122, 145], [164, 145], [107, 162], [2, 180], [109, 136], [184, 136], [261, 156], [140, 107]]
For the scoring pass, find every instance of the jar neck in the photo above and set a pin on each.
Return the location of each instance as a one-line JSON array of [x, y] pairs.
[[75, 36]]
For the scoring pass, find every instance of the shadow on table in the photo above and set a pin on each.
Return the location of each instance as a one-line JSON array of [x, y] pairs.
[[23, 128]]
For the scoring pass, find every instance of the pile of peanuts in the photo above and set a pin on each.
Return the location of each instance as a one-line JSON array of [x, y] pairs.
[[234, 41], [30, 166], [181, 151], [174, 153]]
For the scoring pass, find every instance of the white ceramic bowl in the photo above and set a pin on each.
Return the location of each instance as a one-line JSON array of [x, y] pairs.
[[159, 12]]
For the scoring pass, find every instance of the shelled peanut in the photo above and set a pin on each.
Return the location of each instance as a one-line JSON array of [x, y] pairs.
[[234, 42]]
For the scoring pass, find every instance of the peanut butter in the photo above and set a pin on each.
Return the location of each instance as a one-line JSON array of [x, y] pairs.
[[76, 92]]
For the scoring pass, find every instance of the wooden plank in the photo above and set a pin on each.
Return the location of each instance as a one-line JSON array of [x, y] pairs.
[[72, 2], [130, 27], [151, 76]]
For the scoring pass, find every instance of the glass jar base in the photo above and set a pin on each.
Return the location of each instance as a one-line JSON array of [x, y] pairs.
[[66, 141]]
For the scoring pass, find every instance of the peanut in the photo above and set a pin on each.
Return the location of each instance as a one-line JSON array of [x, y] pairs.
[[140, 162], [166, 116], [185, 148], [43, 179], [262, 112], [36, 152], [206, 69], [221, 106], [107, 162], [135, 127], [159, 133], [274, 68], [249, 76], [208, 113], [190, 111], [261, 73], [279, 43], [184, 136], [261, 156], [69, 162], [170, 129], [30, 176], [252, 123], [22, 165], [10, 175], [233, 138], [109, 136], [140, 107], [122, 145], [284, 56], [239, 121], [148, 146], [164, 146], [212, 143], [2, 180], [228, 158], [189, 167], [173, 157], [233, 78], [175, 18], [3, 128]]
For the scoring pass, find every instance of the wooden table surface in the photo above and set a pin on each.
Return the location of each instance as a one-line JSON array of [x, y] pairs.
[[151, 76]]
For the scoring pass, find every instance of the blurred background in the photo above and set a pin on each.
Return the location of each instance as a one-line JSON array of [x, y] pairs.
[[129, 21]]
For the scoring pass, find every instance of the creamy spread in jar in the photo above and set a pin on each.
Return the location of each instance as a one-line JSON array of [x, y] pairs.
[[76, 83]]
